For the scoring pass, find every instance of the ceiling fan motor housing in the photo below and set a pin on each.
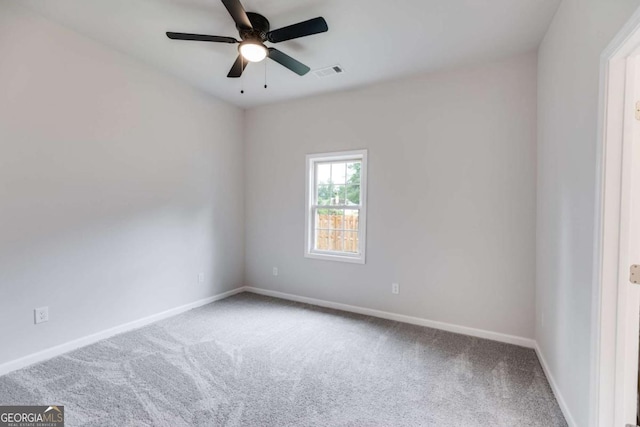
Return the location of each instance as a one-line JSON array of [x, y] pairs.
[[259, 30]]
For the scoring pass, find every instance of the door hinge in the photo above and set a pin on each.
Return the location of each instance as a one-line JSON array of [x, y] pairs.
[[638, 110], [634, 276]]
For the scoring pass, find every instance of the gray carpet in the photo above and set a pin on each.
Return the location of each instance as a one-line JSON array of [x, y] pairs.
[[256, 361]]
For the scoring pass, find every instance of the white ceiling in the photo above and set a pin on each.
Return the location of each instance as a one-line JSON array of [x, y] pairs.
[[373, 40]]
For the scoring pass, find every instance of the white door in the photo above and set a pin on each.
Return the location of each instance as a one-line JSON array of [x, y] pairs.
[[628, 338]]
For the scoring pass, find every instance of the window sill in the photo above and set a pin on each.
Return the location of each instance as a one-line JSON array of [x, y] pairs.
[[339, 258]]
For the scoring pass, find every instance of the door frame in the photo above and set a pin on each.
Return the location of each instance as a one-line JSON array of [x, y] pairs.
[[614, 336]]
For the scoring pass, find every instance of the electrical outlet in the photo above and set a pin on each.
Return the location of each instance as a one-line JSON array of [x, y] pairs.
[[41, 314], [275, 271], [395, 288], [201, 278]]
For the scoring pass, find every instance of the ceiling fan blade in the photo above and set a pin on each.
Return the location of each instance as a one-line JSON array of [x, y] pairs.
[[301, 29], [288, 62], [238, 13], [238, 67], [201, 37]]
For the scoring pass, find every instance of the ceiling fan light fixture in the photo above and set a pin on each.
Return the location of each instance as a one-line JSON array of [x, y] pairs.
[[253, 51]]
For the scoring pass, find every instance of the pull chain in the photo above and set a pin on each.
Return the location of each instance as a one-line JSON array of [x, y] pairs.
[[265, 74], [242, 75]]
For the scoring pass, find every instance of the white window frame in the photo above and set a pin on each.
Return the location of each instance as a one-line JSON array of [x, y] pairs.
[[341, 156]]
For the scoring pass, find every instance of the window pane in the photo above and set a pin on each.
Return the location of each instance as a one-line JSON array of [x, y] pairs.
[[329, 224], [350, 241], [329, 219], [324, 194], [322, 240], [353, 195], [322, 218], [339, 195], [351, 218], [338, 173], [335, 240], [323, 173], [353, 172], [335, 217]]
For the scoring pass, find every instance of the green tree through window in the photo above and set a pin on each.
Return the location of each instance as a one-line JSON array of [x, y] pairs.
[[334, 194]]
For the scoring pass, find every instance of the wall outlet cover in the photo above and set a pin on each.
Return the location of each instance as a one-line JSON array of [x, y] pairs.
[[41, 314]]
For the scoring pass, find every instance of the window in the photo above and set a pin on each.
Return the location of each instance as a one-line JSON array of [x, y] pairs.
[[336, 206]]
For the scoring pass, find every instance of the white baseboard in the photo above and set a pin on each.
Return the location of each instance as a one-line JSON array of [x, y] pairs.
[[480, 333], [91, 339], [556, 391]]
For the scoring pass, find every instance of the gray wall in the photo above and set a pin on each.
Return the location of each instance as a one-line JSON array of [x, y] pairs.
[[118, 185], [451, 213], [569, 60]]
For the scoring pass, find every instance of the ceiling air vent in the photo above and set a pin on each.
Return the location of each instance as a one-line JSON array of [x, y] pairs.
[[328, 71]]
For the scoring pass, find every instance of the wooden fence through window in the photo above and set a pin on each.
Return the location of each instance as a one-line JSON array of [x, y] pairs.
[[337, 233]]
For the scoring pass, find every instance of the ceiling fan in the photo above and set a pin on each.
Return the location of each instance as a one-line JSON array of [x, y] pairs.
[[254, 32]]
